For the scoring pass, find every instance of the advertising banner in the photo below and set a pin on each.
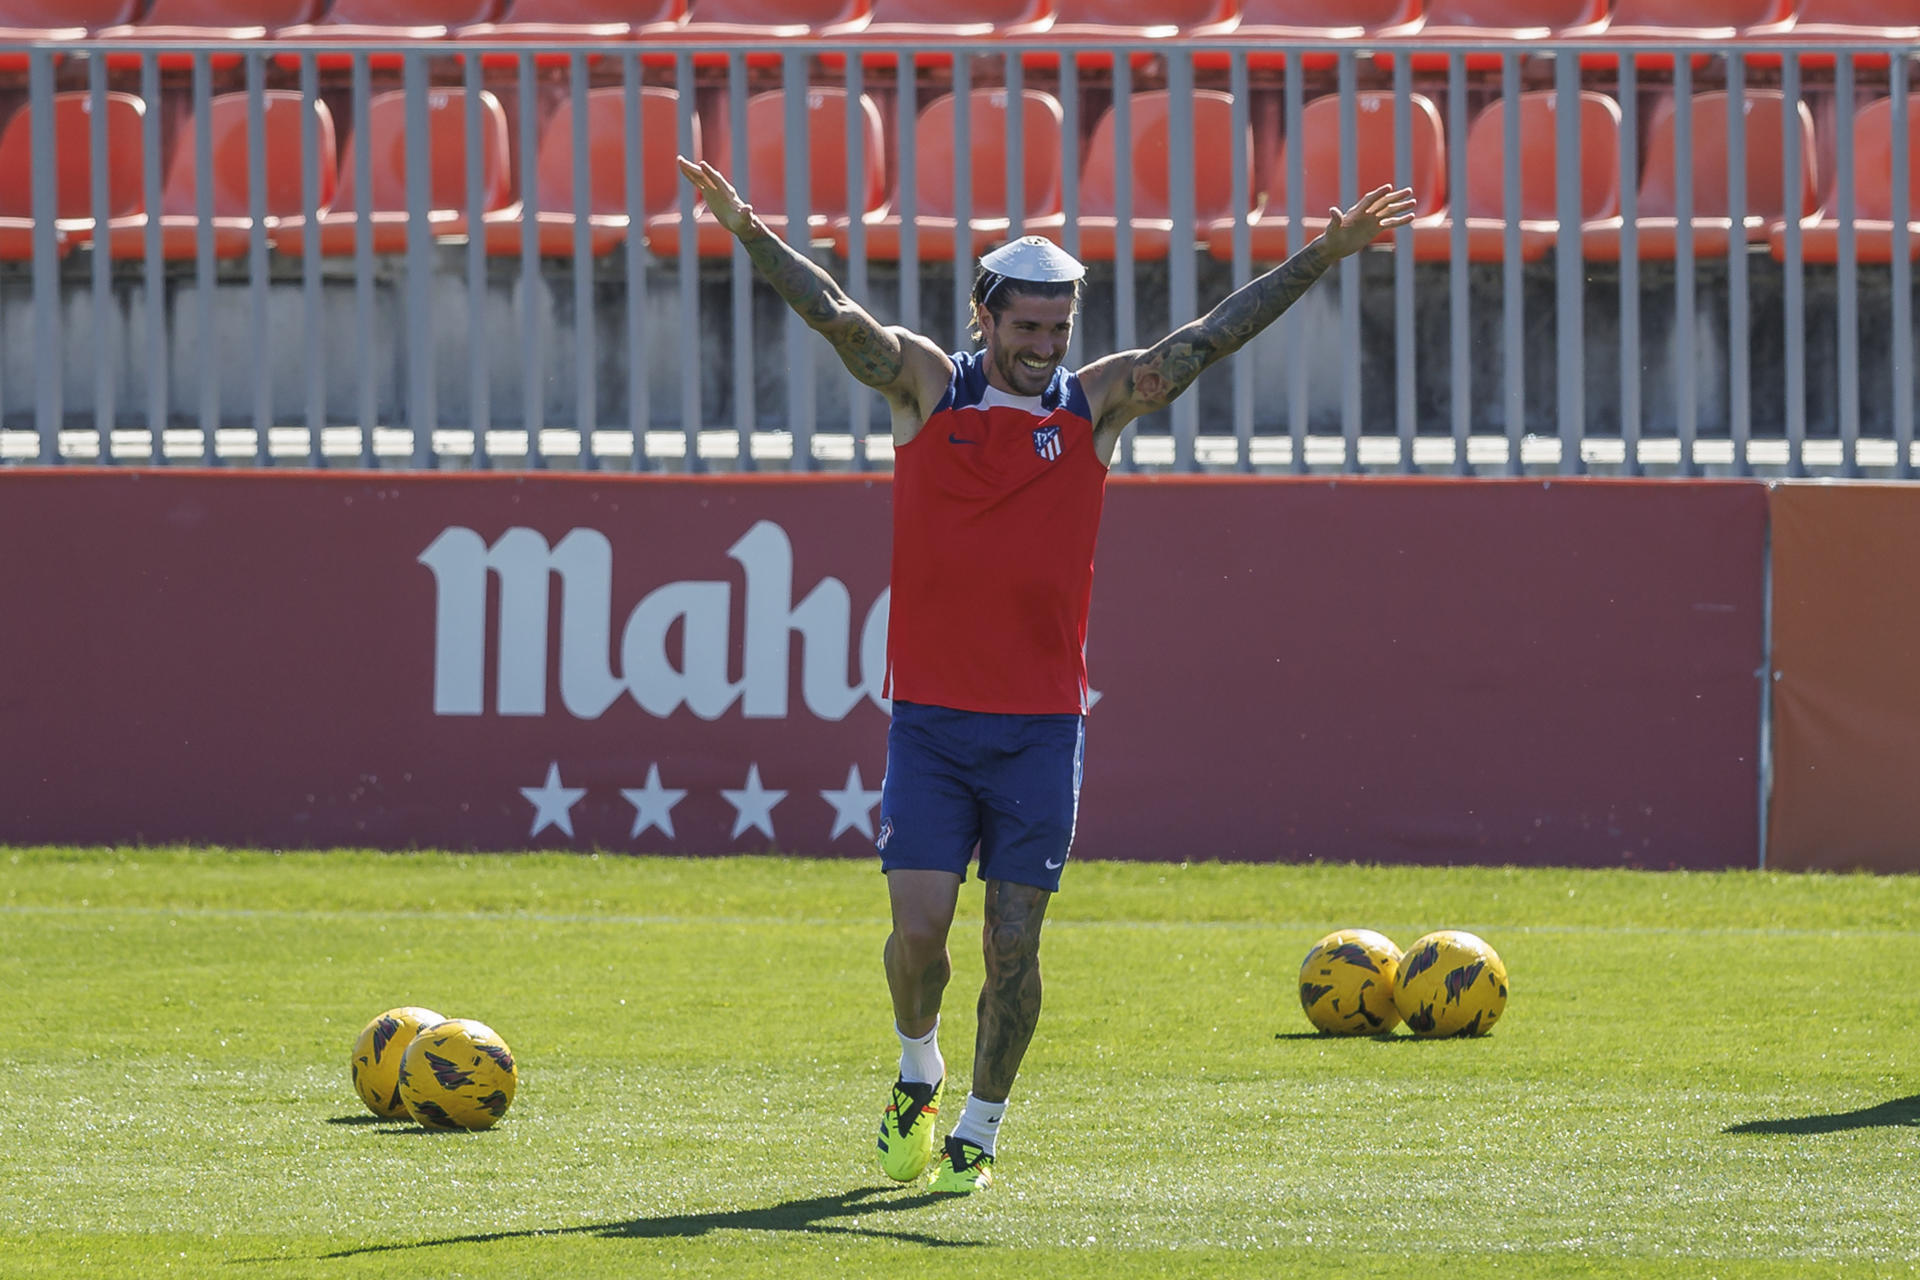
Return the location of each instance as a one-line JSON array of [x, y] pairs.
[[1440, 671]]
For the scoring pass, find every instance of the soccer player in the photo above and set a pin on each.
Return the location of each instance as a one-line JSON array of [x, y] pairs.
[[1000, 457]]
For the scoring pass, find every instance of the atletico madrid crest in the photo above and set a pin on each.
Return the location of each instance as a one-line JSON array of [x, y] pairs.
[[1046, 442]]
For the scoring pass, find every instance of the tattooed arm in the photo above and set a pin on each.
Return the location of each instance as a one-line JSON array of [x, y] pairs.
[[1128, 384], [905, 367]]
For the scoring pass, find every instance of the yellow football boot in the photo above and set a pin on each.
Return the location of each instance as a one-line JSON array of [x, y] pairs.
[[906, 1130], [963, 1169]]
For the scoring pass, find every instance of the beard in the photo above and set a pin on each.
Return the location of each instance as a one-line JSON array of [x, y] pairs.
[[1026, 380]]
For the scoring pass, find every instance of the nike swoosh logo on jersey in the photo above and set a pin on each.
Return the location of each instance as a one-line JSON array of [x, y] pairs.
[[954, 439]]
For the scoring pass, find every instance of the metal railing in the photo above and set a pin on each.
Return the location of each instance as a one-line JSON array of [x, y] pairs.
[[465, 324]]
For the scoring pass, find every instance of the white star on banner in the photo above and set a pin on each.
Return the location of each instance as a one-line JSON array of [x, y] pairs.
[[753, 805], [552, 803], [653, 804], [851, 806]]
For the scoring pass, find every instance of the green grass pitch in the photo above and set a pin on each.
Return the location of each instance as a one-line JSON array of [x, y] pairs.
[[1697, 1076]]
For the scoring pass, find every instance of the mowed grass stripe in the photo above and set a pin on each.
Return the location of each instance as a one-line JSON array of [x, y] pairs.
[[1669, 1094], [1058, 922]]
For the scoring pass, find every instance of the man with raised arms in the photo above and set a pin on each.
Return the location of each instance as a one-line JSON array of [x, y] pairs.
[[1000, 458]]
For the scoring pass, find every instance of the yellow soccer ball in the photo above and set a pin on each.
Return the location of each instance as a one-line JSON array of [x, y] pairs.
[[458, 1075], [1347, 981], [377, 1054], [1451, 984]]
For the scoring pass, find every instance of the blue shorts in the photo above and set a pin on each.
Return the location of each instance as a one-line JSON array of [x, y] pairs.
[[955, 779]]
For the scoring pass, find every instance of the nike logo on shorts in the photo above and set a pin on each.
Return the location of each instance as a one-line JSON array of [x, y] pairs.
[[1055, 866]]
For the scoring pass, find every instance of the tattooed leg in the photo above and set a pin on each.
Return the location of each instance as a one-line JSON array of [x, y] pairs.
[[918, 965], [1010, 998]]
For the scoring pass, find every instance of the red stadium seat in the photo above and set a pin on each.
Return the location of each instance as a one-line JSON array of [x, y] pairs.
[[1663, 20], [608, 215], [1500, 21], [944, 20], [383, 133], [231, 221], [1814, 21], [934, 204], [767, 169], [73, 163], [1539, 204], [206, 21], [1130, 20], [22, 21], [1374, 167], [759, 21], [1211, 145], [1712, 230], [1872, 193], [1283, 21], [386, 22], [595, 21]]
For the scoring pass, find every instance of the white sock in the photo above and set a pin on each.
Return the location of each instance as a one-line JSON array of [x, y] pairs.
[[980, 1123], [920, 1058]]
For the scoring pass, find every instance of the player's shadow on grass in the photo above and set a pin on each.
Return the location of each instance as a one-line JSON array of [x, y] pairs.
[[813, 1216], [1899, 1112]]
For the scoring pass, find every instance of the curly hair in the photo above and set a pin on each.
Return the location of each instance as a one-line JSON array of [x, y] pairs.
[[993, 291]]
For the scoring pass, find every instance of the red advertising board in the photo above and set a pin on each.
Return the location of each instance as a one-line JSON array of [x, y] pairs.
[[1358, 669]]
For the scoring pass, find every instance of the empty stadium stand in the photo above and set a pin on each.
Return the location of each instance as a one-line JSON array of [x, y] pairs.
[[935, 205], [383, 136], [1375, 165], [763, 176], [1872, 193], [1148, 156], [1657, 223], [73, 173]]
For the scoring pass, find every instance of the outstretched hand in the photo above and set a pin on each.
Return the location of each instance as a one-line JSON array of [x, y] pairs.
[[729, 210], [1380, 210]]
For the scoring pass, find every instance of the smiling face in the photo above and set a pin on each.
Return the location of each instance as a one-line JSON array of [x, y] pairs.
[[1026, 341]]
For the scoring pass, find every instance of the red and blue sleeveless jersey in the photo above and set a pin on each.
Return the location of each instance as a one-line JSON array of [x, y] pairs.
[[995, 513]]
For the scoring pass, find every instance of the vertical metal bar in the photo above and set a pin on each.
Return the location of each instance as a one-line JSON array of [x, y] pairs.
[[586, 404], [1847, 310], [1297, 367], [1124, 317], [962, 195], [858, 399], [639, 410], [1070, 173], [106, 336], [1183, 288], [1793, 292], [689, 269], [204, 281], [363, 251], [533, 337], [906, 162], [313, 336], [421, 409], [48, 358], [154, 264], [1902, 270], [740, 279], [1686, 400], [1016, 149], [799, 149], [1570, 284], [1405, 408], [1241, 198], [1459, 270], [1629, 264], [479, 358], [1349, 267], [1739, 384], [1513, 300], [257, 258]]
